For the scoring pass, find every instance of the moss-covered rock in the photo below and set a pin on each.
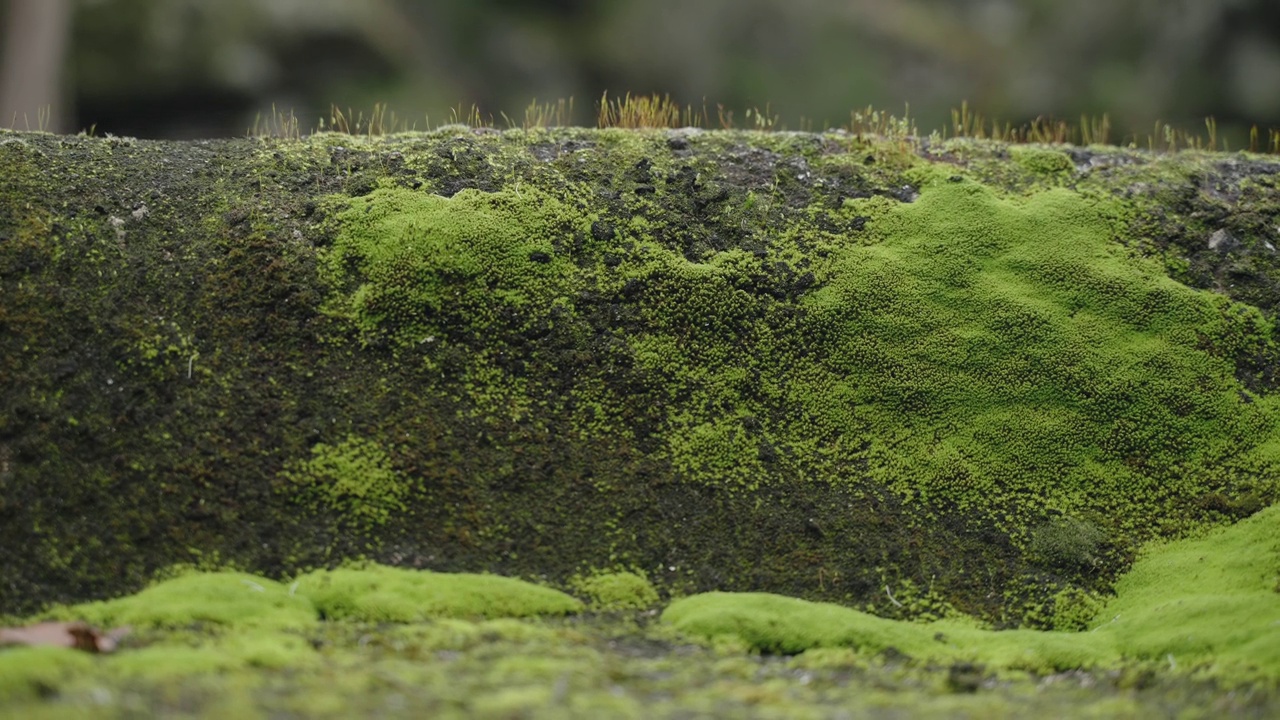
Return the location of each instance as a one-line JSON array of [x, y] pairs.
[[205, 624], [819, 365], [1200, 606]]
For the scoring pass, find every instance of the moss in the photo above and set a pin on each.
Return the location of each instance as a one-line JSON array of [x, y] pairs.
[[228, 600], [431, 269], [1203, 606], [1066, 542], [1041, 160], [1205, 603], [588, 665], [776, 624], [1023, 351], [179, 657], [39, 671], [353, 478], [218, 600], [616, 590], [202, 623], [384, 594], [1074, 609]]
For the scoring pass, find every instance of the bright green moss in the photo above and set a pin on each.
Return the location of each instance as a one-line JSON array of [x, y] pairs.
[[422, 269], [237, 601], [1020, 361], [215, 600], [201, 623], [1205, 605], [1207, 602], [617, 591], [31, 672], [998, 355], [184, 657], [1073, 609], [385, 594], [772, 623], [354, 478]]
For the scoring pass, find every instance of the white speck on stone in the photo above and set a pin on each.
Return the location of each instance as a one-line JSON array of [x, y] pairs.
[[1222, 241]]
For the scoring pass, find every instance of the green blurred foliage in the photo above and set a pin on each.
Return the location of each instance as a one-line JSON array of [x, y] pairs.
[[195, 67]]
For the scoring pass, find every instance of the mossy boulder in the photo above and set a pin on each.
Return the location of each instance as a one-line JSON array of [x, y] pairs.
[[827, 366]]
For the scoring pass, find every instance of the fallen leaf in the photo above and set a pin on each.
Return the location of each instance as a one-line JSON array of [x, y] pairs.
[[76, 635]]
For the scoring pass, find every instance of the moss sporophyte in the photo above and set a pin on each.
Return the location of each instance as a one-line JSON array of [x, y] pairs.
[[903, 377]]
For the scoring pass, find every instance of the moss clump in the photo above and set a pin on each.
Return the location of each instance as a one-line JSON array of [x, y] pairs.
[[384, 594], [182, 656], [353, 478], [616, 590], [1202, 605], [772, 623], [1074, 609], [217, 600], [1006, 358], [199, 623], [229, 600], [1042, 161], [418, 268], [38, 671]]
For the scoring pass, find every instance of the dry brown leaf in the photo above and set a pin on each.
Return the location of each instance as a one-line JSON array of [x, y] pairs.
[[77, 635]]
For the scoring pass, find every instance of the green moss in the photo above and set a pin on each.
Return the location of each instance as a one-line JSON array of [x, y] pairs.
[[354, 478], [616, 590], [1204, 605], [1074, 609], [423, 269], [384, 594], [776, 624], [1041, 160], [234, 601], [1010, 351], [203, 623], [215, 600], [180, 657], [39, 671]]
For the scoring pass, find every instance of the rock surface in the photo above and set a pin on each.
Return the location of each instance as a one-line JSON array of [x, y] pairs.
[[838, 368]]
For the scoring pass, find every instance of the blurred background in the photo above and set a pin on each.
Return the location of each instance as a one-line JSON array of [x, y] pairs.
[[205, 68]]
